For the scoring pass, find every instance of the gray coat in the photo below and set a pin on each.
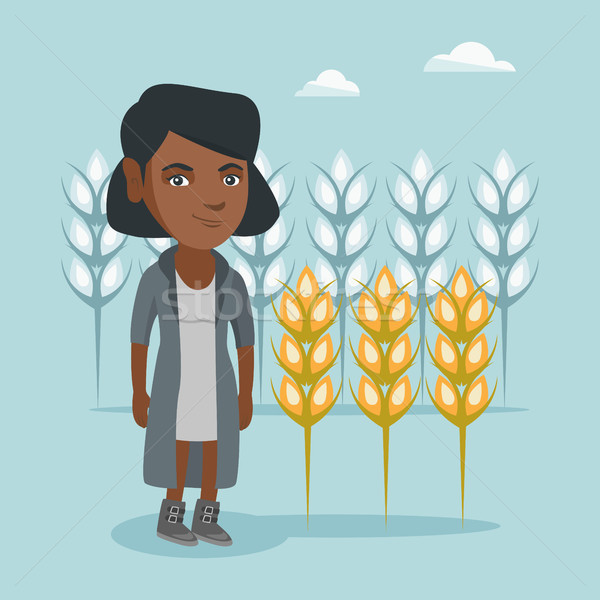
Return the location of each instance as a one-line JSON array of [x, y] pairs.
[[157, 297]]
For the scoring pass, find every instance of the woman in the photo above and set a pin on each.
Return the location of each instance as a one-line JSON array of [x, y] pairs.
[[188, 173]]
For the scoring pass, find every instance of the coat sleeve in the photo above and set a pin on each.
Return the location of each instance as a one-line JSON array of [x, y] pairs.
[[243, 323], [144, 311]]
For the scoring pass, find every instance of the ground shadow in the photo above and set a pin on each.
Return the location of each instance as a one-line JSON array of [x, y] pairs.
[[252, 533], [340, 410]]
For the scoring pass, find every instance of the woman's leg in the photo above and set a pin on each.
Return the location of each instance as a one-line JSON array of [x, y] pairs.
[[170, 519], [209, 470], [182, 451], [206, 515]]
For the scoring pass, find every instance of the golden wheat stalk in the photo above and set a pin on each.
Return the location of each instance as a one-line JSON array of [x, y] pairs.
[[384, 354], [306, 354], [461, 314]]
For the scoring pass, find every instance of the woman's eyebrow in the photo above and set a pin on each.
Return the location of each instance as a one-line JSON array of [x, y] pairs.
[[178, 166], [229, 166]]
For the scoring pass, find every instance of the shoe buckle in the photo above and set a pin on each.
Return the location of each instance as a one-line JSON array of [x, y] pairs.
[[172, 519], [209, 510], [206, 519], [174, 510]]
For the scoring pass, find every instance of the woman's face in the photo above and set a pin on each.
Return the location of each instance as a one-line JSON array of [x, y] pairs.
[[199, 196]]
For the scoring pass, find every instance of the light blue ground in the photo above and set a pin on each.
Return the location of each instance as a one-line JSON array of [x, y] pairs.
[[522, 534], [77, 519]]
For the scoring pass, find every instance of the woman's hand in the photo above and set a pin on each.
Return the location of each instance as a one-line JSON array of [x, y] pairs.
[[140, 404], [141, 400], [245, 405], [246, 374]]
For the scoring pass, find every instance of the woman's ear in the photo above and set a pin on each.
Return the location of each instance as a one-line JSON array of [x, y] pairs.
[[133, 176]]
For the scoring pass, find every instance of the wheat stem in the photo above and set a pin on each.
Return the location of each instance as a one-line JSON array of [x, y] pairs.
[[261, 327], [504, 320], [307, 462], [386, 456], [98, 328], [463, 443]]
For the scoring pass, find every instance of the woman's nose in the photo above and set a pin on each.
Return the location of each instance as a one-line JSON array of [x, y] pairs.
[[215, 207]]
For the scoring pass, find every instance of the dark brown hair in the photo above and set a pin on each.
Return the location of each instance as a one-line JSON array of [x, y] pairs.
[[222, 121]]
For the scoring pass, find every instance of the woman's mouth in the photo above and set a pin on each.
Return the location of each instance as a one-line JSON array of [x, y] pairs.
[[208, 222]]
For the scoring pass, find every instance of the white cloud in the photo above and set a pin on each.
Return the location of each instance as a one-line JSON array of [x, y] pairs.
[[468, 57], [329, 83]]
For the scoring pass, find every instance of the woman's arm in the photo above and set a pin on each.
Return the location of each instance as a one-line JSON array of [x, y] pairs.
[[142, 318], [246, 378], [243, 330], [141, 400]]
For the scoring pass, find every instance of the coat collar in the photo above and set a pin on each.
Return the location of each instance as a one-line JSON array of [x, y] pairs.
[[166, 262]]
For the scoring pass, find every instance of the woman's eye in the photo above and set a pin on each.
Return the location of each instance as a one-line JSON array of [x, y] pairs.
[[231, 180], [178, 180]]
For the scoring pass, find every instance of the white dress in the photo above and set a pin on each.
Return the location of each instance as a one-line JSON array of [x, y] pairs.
[[197, 399]]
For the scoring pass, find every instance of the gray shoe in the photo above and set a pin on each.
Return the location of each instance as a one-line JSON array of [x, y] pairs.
[[204, 524], [170, 524]]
